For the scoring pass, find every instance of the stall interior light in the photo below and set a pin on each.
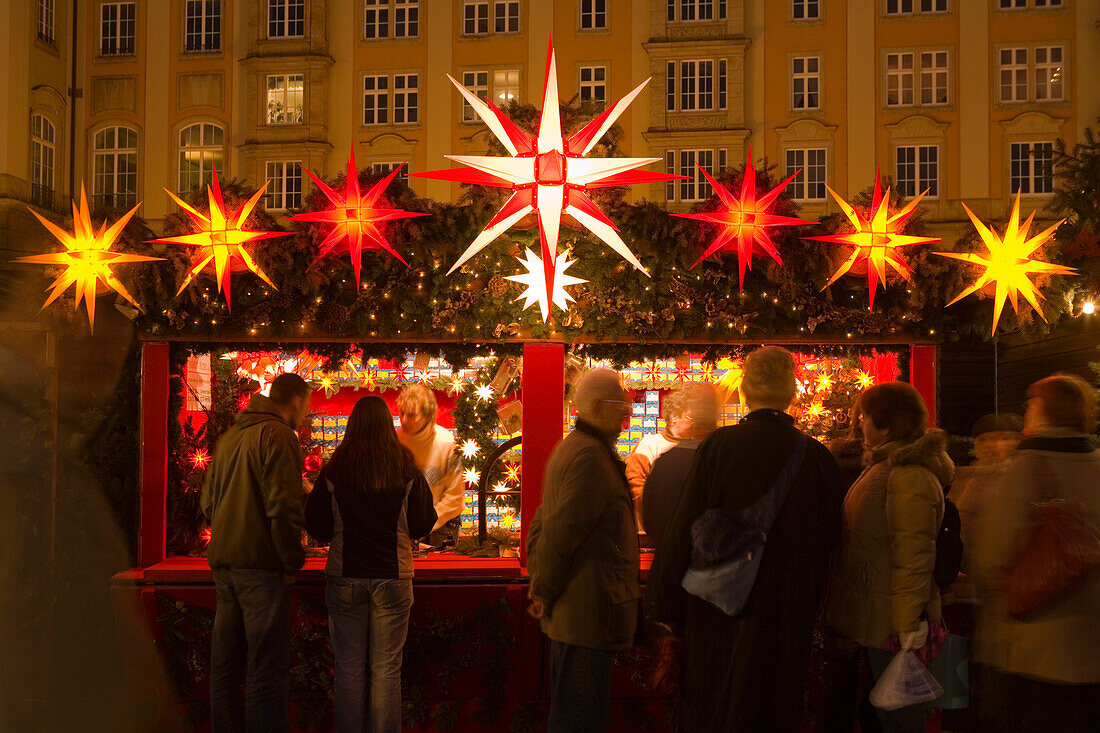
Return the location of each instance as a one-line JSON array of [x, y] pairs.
[[1088, 308]]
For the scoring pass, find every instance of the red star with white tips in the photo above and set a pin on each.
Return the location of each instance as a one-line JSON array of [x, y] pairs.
[[356, 217], [744, 220], [549, 175]]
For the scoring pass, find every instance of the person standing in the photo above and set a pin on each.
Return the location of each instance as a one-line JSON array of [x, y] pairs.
[[368, 503], [582, 555], [433, 447], [253, 498], [748, 672], [679, 426]]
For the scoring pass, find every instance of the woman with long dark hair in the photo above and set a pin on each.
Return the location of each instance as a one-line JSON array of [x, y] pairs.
[[368, 503]]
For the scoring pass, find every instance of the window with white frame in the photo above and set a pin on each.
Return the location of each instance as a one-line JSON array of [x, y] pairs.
[[1048, 3], [376, 100], [477, 82], [285, 99], [899, 7], [376, 19], [201, 150], [43, 160], [1031, 168], [1049, 74], [115, 167], [1012, 4], [899, 79], [406, 98], [805, 82], [286, 18], [593, 14], [284, 189], [593, 86], [933, 78], [1013, 74], [506, 16], [933, 6], [696, 10], [475, 17], [46, 16], [683, 163], [697, 85], [505, 86], [805, 9], [809, 184], [203, 26], [384, 169], [117, 28], [917, 170], [406, 18]]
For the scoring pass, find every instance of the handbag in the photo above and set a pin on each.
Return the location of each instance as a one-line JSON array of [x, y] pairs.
[[727, 546], [1063, 550]]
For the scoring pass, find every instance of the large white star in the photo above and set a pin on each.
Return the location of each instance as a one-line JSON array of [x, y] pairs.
[[535, 282]]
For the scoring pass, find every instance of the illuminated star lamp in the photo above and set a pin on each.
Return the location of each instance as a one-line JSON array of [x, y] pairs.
[[744, 220], [356, 217], [876, 239], [469, 448], [1009, 265], [87, 258], [549, 176], [730, 383], [534, 281], [221, 238], [471, 476]]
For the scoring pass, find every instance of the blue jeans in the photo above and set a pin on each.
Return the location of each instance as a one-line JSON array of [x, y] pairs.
[[251, 630], [912, 719], [368, 619], [580, 688]]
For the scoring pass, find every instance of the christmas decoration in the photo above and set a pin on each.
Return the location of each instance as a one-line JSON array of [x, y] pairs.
[[876, 239], [1009, 265], [484, 392], [534, 281], [87, 258], [469, 448], [471, 476]]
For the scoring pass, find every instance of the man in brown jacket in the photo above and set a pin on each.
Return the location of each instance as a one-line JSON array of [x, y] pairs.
[[582, 553]]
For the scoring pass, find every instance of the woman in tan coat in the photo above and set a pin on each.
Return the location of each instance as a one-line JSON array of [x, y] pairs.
[[882, 583]]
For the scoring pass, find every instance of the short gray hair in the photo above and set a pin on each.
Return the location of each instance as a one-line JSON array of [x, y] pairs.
[[769, 377], [595, 385]]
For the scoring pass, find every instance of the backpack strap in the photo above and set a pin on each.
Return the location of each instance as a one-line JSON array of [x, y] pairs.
[[777, 494]]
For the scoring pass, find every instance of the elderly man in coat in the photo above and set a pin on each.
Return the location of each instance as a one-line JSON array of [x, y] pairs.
[[582, 552]]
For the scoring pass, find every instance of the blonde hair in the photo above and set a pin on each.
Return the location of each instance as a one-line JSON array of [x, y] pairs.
[[418, 396], [769, 377], [1067, 401]]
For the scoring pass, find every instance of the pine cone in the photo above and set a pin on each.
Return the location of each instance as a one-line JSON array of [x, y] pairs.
[[498, 286], [335, 315]]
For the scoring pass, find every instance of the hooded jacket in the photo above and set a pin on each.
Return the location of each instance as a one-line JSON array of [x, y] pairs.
[[882, 582], [252, 494]]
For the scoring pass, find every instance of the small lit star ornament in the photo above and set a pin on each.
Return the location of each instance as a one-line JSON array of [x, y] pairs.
[[864, 380], [876, 239], [484, 392], [744, 220], [87, 258], [221, 238], [536, 284], [1009, 267], [511, 472], [200, 459], [456, 386], [730, 382], [356, 217], [471, 476], [549, 174], [469, 448]]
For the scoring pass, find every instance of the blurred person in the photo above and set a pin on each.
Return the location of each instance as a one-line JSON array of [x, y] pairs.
[[253, 497], [433, 447], [996, 437], [848, 451], [749, 672], [582, 553], [383, 502], [679, 426], [1044, 669], [882, 585]]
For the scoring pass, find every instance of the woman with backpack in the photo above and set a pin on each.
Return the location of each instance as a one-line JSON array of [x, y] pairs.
[[369, 502]]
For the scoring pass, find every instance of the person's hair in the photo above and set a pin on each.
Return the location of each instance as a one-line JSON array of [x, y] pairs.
[[418, 396], [370, 455], [285, 387], [897, 408], [999, 422], [595, 385], [769, 377], [676, 404], [704, 404], [1067, 401]]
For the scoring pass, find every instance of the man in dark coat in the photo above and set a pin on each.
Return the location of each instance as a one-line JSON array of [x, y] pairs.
[[748, 672]]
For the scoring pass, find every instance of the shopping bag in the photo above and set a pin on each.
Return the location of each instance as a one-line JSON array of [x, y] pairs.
[[904, 682]]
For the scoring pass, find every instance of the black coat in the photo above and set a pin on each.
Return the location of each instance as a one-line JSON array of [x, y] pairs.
[[748, 673]]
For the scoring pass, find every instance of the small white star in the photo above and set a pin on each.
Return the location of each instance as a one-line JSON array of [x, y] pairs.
[[472, 476], [469, 448], [484, 392]]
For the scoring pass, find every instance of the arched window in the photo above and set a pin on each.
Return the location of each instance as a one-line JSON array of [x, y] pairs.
[[43, 157], [200, 150], [116, 167]]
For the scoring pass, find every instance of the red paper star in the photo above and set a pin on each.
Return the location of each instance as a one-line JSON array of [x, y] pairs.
[[653, 373]]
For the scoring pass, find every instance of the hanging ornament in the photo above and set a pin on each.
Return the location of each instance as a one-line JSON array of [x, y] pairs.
[[471, 476], [356, 217], [221, 238], [87, 258], [511, 472], [484, 392], [876, 239], [730, 383], [534, 281], [1009, 265], [744, 220], [469, 448], [549, 176]]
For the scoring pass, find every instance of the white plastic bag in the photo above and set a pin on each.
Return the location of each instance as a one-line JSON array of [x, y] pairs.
[[904, 682]]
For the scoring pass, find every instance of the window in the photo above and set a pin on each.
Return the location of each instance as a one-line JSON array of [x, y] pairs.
[[933, 77], [507, 17], [475, 17], [899, 79], [805, 9], [918, 170], [593, 14], [117, 23], [406, 18], [43, 157], [593, 86], [1031, 167], [1013, 74], [115, 164], [203, 26], [284, 189], [284, 99], [376, 100], [809, 184], [405, 98], [805, 82], [47, 14], [695, 187], [899, 7], [505, 86], [1012, 4], [376, 19], [688, 10], [933, 6], [1048, 3], [201, 150], [1049, 80], [670, 86], [286, 18], [383, 169], [478, 83], [696, 85]]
